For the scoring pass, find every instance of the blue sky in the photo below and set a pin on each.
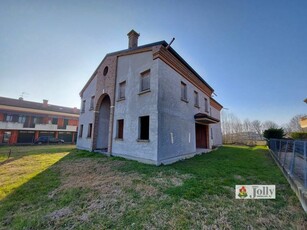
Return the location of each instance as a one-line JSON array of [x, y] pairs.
[[253, 53]]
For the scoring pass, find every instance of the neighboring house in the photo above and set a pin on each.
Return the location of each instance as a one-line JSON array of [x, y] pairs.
[[23, 121], [303, 122], [147, 103]]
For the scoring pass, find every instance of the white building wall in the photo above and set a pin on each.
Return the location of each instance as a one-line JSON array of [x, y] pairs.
[[87, 117], [135, 105], [176, 117]]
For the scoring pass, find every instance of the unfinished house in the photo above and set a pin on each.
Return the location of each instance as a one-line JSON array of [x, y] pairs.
[[148, 104]]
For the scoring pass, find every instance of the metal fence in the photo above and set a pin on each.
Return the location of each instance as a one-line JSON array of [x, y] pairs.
[[292, 157]]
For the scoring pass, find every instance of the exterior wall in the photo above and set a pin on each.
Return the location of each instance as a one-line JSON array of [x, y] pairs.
[[105, 86], [216, 135], [176, 117], [303, 122], [136, 105], [86, 117]]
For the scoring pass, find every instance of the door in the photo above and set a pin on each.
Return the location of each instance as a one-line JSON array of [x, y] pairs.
[[201, 136]]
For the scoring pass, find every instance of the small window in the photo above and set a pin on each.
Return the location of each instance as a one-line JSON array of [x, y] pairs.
[[22, 119], [9, 118], [92, 103], [81, 131], [54, 121], [83, 106], [184, 91], [89, 130], [196, 101], [144, 128], [122, 88], [211, 134], [145, 81], [206, 105], [105, 71], [120, 129]]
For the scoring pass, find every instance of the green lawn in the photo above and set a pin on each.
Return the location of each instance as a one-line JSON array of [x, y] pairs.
[[52, 187]]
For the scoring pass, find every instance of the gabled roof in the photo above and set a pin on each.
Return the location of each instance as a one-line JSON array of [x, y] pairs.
[[35, 105], [163, 43]]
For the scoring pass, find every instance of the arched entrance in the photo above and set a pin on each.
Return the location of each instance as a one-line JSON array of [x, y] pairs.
[[103, 123]]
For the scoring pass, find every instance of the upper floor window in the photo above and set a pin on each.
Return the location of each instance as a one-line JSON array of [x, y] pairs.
[[145, 80], [120, 129], [9, 118], [206, 105], [92, 102], [54, 121], [196, 101], [122, 88], [184, 91], [83, 106], [22, 119]]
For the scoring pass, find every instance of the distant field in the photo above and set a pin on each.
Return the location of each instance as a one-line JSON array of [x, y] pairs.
[[54, 187]]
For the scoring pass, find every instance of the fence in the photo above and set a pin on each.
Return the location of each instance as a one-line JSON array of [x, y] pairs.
[[292, 157]]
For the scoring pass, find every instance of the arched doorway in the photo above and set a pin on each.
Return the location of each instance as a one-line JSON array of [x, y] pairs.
[[103, 124]]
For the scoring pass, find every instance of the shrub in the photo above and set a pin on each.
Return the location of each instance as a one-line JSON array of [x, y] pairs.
[[299, 135], [274, 133]]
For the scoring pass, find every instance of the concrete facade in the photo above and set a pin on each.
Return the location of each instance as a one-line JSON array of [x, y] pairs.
[[119, 97]]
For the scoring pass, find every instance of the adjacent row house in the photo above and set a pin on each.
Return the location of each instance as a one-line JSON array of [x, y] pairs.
[[21, 121], [148, 104]]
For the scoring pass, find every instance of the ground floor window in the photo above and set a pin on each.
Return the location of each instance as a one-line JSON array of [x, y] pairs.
[[81, 131], [144, 128], [6, 137], [89, 130]]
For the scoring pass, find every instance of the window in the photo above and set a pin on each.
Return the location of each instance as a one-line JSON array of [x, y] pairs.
[[37, 120], [92, 103], [206, 105], [9, 118], [120, 129], [211, 134], [144, 128], [83, 106], [184, 91], [105, 70], [81, 131], [122, 87], [145, 81], [196, 101], [54, 121], [89, 130], [22, 119]]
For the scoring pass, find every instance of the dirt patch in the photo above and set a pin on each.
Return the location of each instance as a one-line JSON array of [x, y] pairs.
[[58, 214]]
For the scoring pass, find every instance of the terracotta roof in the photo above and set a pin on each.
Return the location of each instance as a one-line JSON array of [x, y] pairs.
[[35, 105]]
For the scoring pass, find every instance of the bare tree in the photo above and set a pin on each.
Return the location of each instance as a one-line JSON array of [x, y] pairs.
[[269, 125], [294, 124], [257, 127]]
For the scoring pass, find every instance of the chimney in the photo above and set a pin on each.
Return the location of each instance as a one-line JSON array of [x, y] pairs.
[[75, 109], [133, 39], [45, 103]]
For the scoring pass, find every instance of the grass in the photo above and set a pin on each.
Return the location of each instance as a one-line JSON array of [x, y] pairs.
[[53, 187]]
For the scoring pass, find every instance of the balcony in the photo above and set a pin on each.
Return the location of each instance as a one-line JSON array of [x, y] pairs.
[[11, 125], [41, 127]]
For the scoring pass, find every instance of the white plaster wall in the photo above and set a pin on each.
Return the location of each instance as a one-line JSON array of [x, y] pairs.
[[134, 106], [176, 117], [86, 117]]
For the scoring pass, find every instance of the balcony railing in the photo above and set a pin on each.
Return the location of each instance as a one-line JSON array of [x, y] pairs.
[[44, 127]]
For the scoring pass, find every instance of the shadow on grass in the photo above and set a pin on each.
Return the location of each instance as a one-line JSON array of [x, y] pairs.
[[11, 153], [33, 196]]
